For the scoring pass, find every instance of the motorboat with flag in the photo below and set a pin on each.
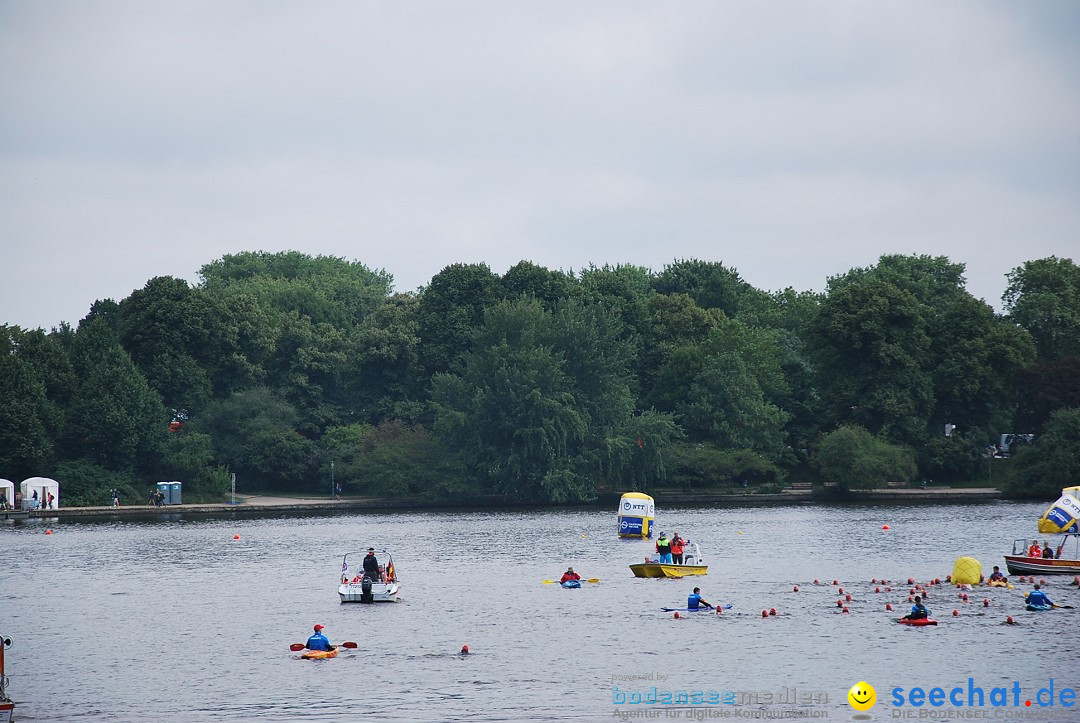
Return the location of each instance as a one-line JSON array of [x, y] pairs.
[[1062, 518], [365, 581], [692, 565]]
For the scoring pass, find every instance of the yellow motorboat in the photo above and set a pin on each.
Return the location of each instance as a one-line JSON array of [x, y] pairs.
[[692, 565]]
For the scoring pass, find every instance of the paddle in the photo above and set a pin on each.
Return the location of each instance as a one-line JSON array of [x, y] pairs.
[[559, 582], [297, 647], [1065, 607]]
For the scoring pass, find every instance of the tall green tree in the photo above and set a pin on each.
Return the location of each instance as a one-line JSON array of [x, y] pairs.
[[709, 283], [1042, 469], [114, 419], [852, 458], [451, 309], [1043, 296]]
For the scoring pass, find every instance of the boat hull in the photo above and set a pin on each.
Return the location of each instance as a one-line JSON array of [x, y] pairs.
[[319, 654], [1024, 565], [352, 592], [659, 569]]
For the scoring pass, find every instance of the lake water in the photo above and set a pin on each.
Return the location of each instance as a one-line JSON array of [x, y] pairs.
[[177, 620]]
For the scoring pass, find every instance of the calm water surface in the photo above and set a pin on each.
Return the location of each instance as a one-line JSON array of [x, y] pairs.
[[176, 620]]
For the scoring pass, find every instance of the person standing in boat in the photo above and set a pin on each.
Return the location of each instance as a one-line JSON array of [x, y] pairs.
[[371, 565], [677, 545], [569, 575], [695, 601], [663, 548], [1047, 551], [318, 641], [918, 611], [1034, 550]]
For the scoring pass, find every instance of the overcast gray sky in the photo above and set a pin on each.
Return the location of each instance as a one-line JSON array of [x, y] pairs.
[[790, 140]]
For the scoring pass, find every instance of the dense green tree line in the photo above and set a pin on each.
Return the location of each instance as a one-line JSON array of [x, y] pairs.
[[289, 370]]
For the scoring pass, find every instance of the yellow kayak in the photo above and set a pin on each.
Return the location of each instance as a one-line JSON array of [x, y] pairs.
[[319, 654]]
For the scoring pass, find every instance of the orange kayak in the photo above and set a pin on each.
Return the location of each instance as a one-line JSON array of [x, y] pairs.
[[319, 654]]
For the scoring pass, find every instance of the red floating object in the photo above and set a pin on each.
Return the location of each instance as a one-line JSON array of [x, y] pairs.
[[464, 649], [834, 582], [839, 603], [48, 532], [884, 527], [877, 589], [986, 602], [795, 589], [955, 613], [841, 591], [848, 597], [888, 606], [236, 537], [845, 610], [764, 613], [1010, 620], [772, 611], [676, 616]]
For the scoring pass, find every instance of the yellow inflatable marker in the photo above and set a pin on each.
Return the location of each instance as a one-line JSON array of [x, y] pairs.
[[966, 571]]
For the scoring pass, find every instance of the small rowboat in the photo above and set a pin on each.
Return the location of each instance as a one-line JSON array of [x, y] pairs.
[[319, 654], [654, 568]]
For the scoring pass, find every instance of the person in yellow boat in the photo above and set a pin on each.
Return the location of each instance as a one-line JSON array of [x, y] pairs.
[[996, 576], [663, 548]]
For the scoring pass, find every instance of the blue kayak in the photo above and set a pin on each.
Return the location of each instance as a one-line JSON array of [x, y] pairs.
[[572, 584], [1039, 608], [694, 610]]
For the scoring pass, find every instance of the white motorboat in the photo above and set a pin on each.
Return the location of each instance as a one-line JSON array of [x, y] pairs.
[[370, 586]]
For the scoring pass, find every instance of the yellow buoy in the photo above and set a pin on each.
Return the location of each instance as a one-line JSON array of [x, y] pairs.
[[966, 571]]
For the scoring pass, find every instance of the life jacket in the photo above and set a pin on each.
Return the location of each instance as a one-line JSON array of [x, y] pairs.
[[663, 546], [677, 545]]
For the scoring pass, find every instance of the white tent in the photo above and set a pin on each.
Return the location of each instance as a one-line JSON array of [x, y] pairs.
[[44, 487], [7, 492]]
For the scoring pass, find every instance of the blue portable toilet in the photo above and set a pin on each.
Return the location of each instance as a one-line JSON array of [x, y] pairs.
[[174, 493], [163, 488]]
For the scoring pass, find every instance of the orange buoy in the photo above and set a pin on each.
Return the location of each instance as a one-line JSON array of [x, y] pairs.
[[48, 532]]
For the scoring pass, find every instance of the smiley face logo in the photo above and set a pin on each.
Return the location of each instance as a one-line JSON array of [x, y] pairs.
[[862, 696]]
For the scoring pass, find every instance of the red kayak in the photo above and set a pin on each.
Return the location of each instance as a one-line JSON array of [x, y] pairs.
[[920, 622]]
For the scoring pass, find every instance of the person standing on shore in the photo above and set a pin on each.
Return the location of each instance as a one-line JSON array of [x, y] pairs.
[[115, 497]]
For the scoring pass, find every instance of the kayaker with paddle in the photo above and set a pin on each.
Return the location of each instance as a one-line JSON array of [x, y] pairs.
[[318, 641], [569, 575], [695, 601], [918, 611], [1038, 598]]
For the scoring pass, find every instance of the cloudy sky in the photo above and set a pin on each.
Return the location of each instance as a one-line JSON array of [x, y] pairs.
[[791, 140]]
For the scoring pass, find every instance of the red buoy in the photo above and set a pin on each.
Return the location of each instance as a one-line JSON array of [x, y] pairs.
[[464, 649], [795, 589], [764, 613], [676, 615], [839, 603], [816, 581], [955, 613], [845, 610], [48, 532], [986, 602], [840, 591], [848, 597], [772, 611], [236, 537], [877, 589], [888, 606], [1010, 620], [834, 582], [888, 589], [884, 527]]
